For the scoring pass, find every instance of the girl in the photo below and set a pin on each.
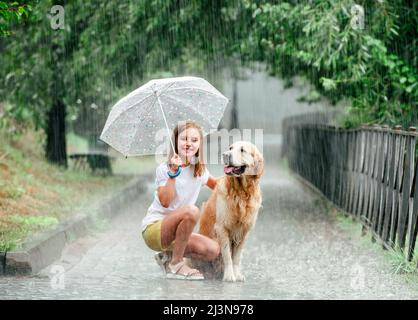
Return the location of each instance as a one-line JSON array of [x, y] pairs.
[[172, 216]]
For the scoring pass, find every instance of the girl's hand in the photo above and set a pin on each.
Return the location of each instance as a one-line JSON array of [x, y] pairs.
[[211, 182], [175, 163]]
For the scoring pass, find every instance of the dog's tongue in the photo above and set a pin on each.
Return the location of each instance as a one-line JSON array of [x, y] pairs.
[[228, 169]]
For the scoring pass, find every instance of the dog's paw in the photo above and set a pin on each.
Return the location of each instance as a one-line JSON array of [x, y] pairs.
[[239, 276], [229, 277]]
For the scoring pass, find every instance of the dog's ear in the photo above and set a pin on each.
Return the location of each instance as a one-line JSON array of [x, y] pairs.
[[259, 163], [258, 168]]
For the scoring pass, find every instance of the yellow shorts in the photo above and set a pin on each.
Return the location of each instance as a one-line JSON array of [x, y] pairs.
[[152, 237]]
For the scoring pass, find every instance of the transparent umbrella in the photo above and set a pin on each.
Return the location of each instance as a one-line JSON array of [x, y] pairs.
[[134, 122]]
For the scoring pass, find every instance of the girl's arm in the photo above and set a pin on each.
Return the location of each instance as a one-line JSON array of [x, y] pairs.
[[211, 182], [167, 193]]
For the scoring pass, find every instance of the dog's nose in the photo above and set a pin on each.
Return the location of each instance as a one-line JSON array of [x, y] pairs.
[[226, 157]]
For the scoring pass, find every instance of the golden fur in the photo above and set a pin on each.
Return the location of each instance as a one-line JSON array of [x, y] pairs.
[[232, 208]]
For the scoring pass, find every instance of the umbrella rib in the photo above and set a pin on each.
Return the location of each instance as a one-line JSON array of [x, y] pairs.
[[155, 96], [130, 107], [173, 98], [214, 93], [165, 120], [165, 89], [195, 110], [149, 108]]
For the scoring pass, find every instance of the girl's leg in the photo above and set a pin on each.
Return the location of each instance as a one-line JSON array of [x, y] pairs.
[[178, 226], [202, 247]]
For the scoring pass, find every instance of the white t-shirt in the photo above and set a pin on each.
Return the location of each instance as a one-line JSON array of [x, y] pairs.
[[187, 190]]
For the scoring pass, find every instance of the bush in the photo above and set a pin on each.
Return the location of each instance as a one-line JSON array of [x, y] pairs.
[[375, 66]]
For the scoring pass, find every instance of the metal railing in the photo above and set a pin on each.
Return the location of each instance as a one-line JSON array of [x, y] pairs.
[[370, 172]]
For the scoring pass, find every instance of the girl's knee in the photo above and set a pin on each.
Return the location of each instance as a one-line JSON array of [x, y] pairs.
[[214, 250], [191, 213]]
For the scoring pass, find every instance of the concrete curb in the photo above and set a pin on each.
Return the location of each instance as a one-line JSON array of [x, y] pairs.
[[43, 249]]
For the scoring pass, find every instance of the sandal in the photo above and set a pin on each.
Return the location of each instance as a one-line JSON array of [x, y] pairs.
[[162, 259], [175, 272]]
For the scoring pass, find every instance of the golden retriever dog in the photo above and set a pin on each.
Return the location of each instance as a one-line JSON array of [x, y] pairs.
[[232, 208]]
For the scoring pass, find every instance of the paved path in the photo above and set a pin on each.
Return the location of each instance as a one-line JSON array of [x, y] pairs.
[[296, 251]]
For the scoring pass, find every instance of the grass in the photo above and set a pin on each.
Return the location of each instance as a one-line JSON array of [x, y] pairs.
[[135, 165], [395, 257], [35, 195], [17, 227], [76, 144], [401, 265], [120, 164]]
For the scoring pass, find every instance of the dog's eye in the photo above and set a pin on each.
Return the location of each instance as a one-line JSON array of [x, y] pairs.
[[230, 148], [242, 149]]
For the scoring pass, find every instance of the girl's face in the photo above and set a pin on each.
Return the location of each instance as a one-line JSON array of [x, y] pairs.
[[188, 143]]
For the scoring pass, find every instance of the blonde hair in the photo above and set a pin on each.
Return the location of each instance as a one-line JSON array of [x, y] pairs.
[[199, 167]]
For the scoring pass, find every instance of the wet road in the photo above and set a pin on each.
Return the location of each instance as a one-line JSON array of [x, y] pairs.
[[296, 251]]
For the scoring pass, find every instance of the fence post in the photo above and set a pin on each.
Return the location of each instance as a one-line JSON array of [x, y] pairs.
[[350, 168], [413, 226], [370, 178], [390, 186], [380, 159], [409, 157], [357, 137], [401, 186], [361, 177], [395, 195], [383, 212]]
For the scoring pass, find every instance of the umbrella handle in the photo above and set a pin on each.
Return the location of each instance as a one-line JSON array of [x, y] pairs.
[[165, 120]]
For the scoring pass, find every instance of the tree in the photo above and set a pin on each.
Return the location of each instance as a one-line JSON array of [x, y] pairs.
[[105, 50], [37, 73], [374, 67]]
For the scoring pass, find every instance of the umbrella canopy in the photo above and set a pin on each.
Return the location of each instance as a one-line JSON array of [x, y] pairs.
[[134, 121]]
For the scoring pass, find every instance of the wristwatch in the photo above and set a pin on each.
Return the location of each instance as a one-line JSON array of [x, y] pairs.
[[173, 175]]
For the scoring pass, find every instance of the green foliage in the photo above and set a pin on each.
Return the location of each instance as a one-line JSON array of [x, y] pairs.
[[14, 191], [401, 265], [108, 48], [12, 12], [34, 221], [311, 97], [35, 195], [28, 81], [375, 67], [14, 229]]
